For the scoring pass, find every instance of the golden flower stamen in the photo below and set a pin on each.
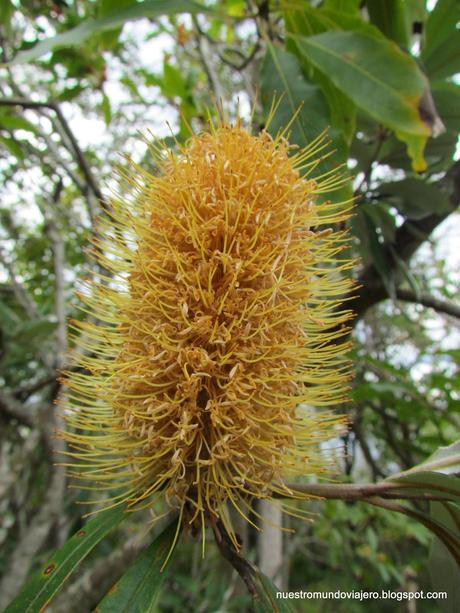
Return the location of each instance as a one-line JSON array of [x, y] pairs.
[[218, 333]]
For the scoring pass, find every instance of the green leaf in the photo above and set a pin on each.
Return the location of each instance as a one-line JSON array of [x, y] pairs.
[[303, 19], [375, 247], [443, 570], [35, 331], [449, 537], [41, 588], [446, 96], [137, 590], [444, 460], [424, 482], [116, 19], [415, 149], [105, 7], [267, 600], [13, 147], [392, 19], [374, 73], [106, 108], [351, 6], [235, 8], [415, 198], [13, 122], [441, 51], [438, 151], [310, 20], [173, 83], [283, 74], [6, 12], [382, 218]]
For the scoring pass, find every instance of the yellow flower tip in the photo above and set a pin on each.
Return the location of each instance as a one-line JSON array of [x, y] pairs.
[[219, 330]]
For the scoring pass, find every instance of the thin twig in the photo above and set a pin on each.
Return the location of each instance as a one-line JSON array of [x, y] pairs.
[[79, 156]]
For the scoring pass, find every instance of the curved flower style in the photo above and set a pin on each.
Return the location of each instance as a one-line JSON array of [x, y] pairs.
[[219, 328]]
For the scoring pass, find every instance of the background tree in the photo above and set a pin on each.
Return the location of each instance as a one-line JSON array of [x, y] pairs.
[[81, 79]]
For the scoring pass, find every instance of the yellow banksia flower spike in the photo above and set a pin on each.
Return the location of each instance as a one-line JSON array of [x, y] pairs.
[[217, 332]]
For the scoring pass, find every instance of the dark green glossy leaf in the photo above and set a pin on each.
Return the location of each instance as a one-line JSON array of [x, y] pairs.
[[374, 73], [392, 19], [138, 589], [447, 99], [415, 198], [115, 19], [41, 588], [306, 20], [441, 51]]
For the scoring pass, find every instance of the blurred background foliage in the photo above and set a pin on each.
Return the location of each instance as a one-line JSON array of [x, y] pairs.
[[82, 80]]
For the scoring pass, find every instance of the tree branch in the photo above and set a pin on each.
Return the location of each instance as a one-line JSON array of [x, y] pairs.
[[15, 410], [78, 153], [205, 53], [359, 492], [441, 306]]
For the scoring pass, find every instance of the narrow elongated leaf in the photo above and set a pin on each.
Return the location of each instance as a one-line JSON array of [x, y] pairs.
[[282, 74], [351, 6], [13, 147], [370, 240], [447, 99], [12, 122], [106, 7], [306, 20], [116, 19], [374, 73], [41, 588], [444, 460], [392, 18], [137, 590], [267, 600], [443, 570], [449, 537], [441, 51], [443, 486], [313, 20]]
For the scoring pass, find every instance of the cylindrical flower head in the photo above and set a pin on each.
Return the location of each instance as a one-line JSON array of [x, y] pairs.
[[217, 332]]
